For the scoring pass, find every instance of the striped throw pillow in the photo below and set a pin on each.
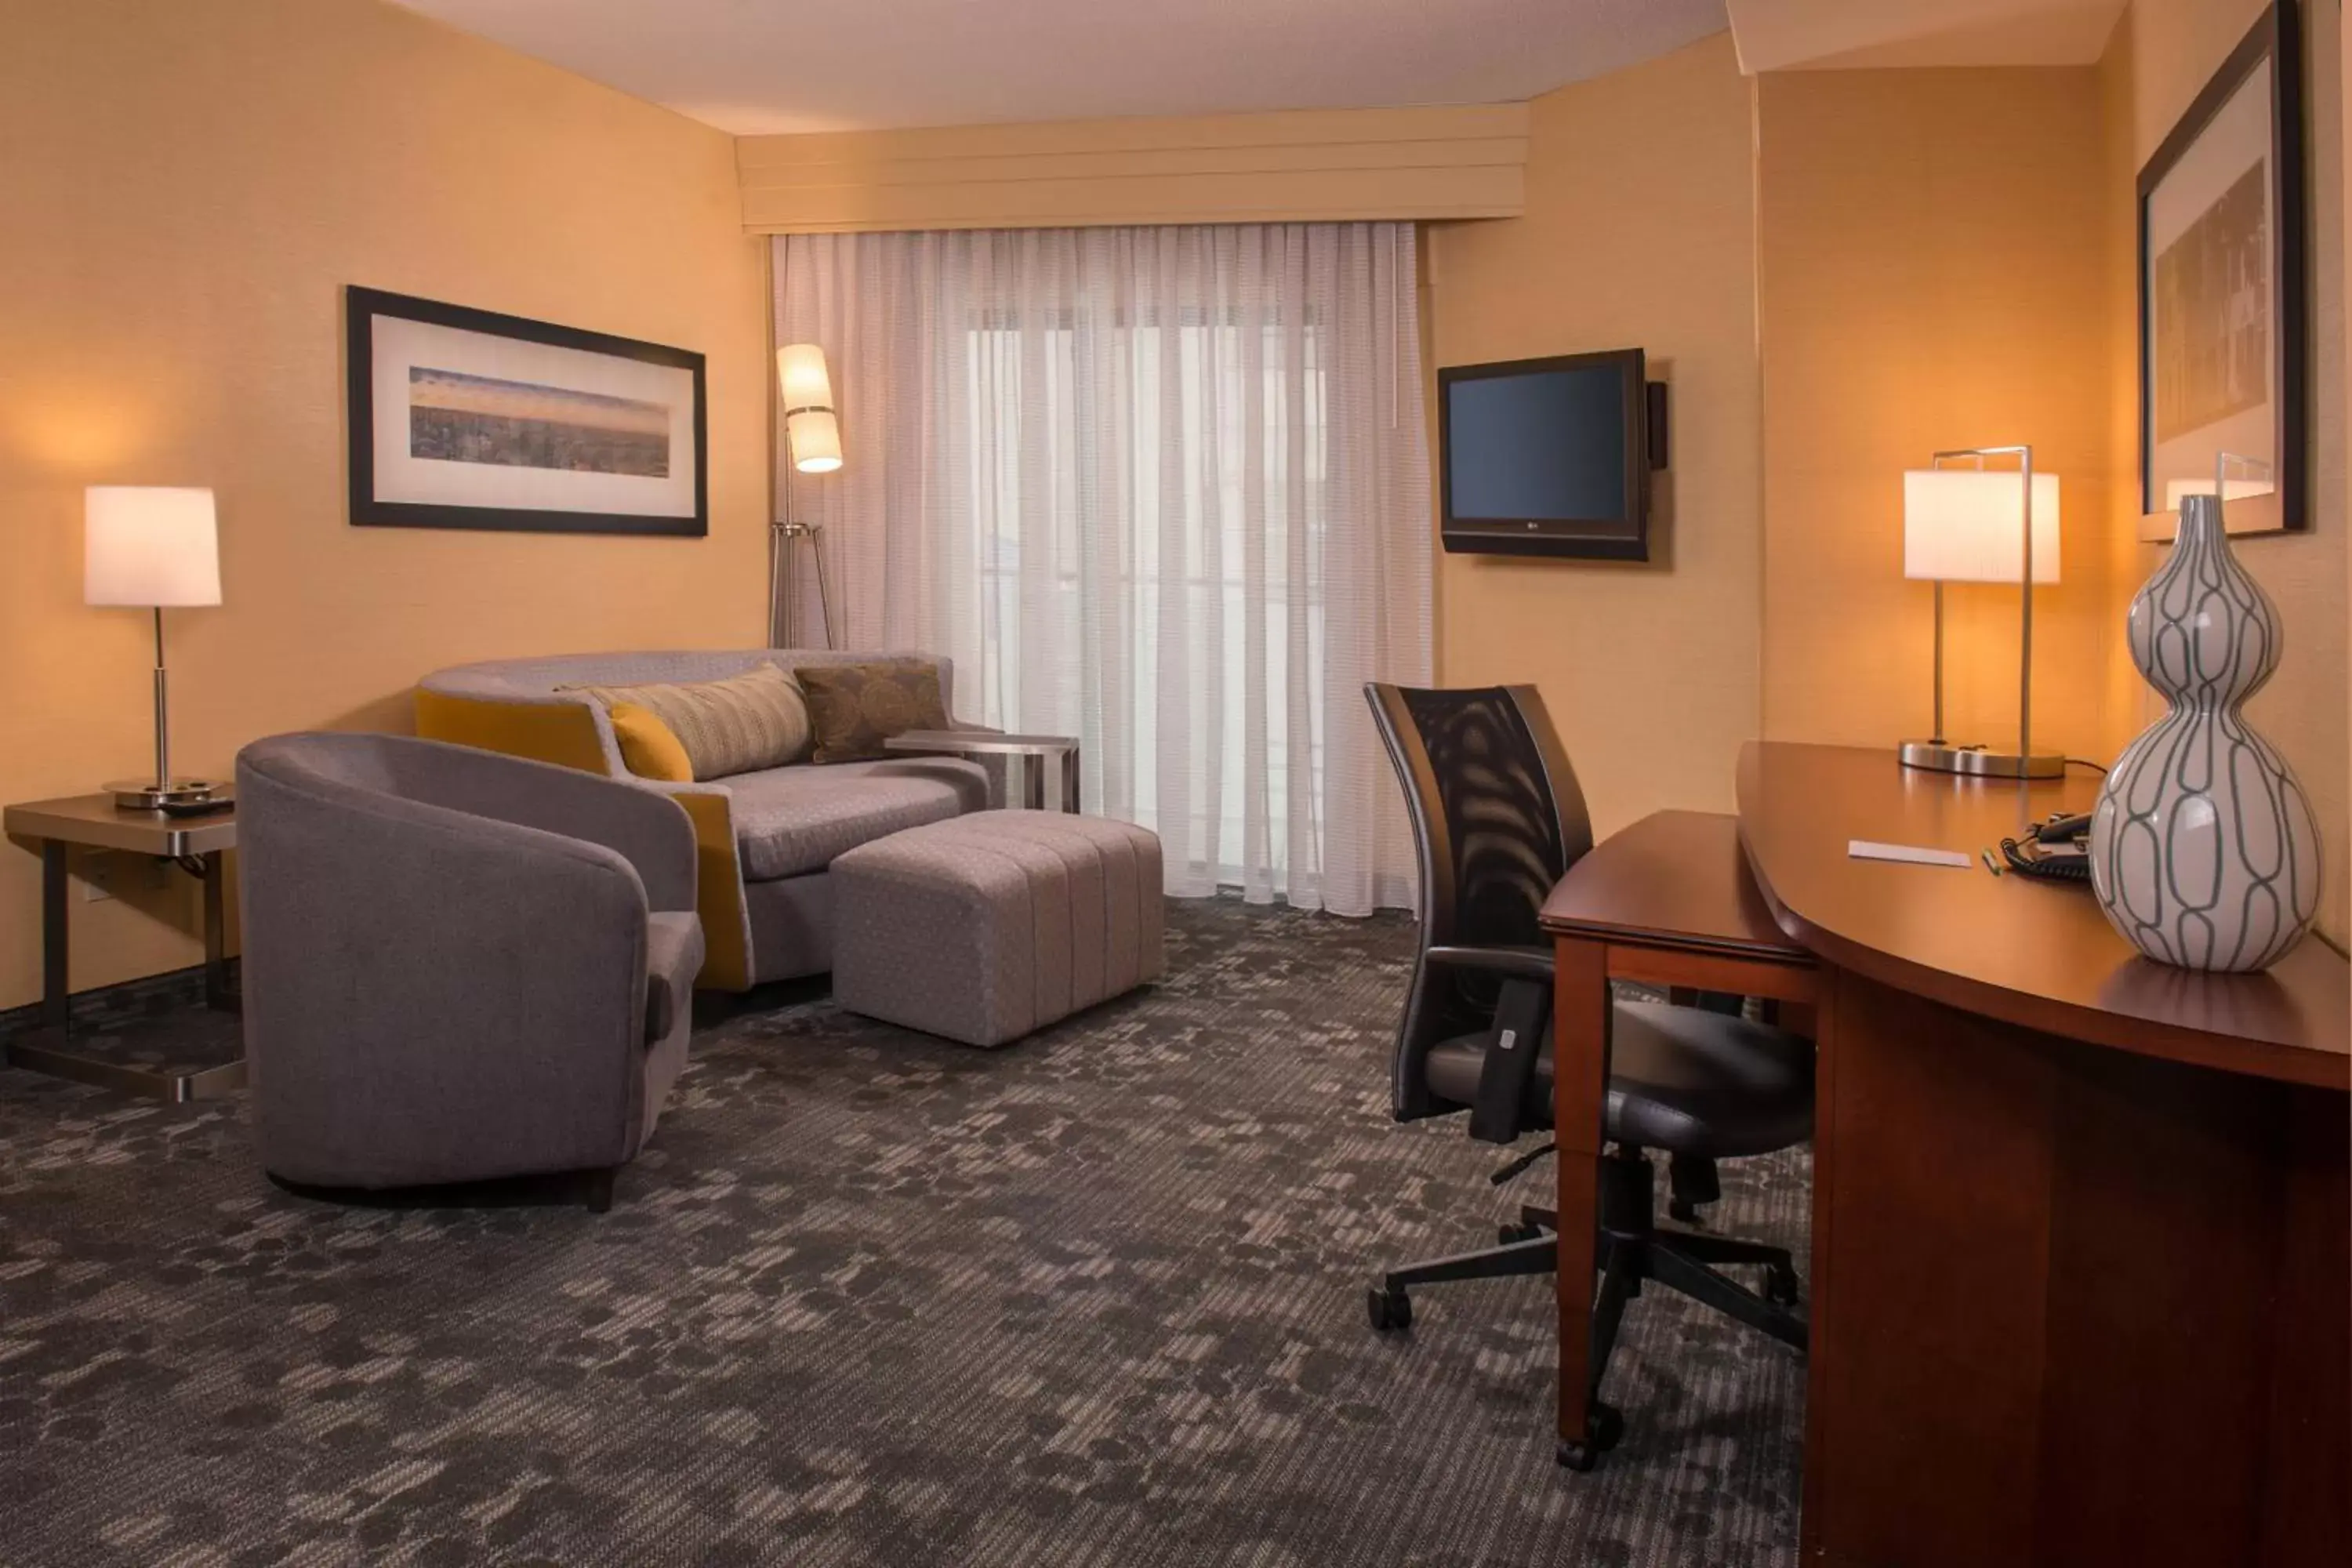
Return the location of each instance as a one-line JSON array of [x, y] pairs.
[[739, 725]]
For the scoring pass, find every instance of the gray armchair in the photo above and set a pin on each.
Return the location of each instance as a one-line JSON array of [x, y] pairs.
[[459, 966]]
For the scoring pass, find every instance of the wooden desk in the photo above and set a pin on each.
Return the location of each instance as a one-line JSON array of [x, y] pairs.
[[2081, 1274], [1667, 902]]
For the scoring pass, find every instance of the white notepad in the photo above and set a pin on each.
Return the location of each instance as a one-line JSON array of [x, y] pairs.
[[1909, 853]]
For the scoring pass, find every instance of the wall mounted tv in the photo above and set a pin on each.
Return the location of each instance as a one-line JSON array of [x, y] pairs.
[[1550, 456]]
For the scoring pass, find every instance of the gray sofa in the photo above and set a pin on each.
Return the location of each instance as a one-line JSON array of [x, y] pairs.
[[765, 840], [457, 965]]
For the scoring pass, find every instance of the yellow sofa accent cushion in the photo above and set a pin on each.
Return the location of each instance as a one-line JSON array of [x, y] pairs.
[[647, 745], [560, 732]]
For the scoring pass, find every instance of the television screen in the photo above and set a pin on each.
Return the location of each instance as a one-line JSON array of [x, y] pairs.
[[1547, 456]]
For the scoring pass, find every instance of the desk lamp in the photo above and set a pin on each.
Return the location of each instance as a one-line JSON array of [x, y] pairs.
[[1973, 524], [812, 441], [155, 549]]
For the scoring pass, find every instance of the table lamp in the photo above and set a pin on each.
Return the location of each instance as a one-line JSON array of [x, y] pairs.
[[155, 549], [1973, 524], [812, 442]]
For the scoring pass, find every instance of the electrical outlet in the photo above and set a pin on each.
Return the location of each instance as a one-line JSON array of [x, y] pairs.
[[99, 869], [110, 873]]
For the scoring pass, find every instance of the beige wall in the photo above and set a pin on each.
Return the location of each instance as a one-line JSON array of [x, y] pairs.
[[1899, 312], [1639, 231], [2174, 47], [186, 187], [1930, 275]]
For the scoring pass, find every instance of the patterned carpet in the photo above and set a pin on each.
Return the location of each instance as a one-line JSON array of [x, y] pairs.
[[873, 1299]]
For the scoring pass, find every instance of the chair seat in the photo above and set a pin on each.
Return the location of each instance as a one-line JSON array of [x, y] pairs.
[[1681, 1080]]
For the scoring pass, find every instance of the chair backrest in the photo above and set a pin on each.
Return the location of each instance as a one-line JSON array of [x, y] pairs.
[[1498, 819]]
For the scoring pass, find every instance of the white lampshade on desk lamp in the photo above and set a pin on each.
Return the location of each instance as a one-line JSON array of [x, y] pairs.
[[813, 443], [154, 548], [1978, 525]]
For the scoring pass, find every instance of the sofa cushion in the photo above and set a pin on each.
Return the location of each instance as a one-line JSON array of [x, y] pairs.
[[792, 821], [756, 720], [853, 708]]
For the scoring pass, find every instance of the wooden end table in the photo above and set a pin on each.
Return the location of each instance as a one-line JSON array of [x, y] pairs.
[[1041, 772], [198, 843]]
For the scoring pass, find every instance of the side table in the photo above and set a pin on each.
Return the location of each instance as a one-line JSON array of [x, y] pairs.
[[197, 843], [1041, 772]]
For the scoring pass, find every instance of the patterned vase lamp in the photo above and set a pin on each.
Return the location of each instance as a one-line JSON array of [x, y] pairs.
[[2204, 852]]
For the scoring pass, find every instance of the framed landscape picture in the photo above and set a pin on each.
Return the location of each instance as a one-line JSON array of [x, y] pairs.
[[465, 418], [2223, 320]]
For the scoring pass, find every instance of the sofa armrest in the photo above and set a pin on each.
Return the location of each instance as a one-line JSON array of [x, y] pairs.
[[719, 879]]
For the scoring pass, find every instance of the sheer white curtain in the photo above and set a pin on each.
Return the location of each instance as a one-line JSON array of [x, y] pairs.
[[1166, 490]]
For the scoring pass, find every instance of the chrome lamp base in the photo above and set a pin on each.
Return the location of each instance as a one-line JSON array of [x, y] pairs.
[[1975, 762], [179, 795]]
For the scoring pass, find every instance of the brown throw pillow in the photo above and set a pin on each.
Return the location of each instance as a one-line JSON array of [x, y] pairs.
[[853, 708], [739, 725]]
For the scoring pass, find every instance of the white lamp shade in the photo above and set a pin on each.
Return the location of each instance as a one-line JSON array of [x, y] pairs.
[[814, 437], [802, 376], [149, 546], [1967, 525]]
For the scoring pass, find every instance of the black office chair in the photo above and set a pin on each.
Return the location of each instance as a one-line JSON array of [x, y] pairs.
[[1499, 818]]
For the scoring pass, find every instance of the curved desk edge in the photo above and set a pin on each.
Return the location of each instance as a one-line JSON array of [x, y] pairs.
[[2135, 1032]]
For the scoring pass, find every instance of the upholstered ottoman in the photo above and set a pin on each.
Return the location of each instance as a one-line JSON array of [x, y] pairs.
[[985, 927]]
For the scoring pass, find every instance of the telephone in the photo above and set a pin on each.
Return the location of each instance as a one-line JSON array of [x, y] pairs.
[[2056, 850]]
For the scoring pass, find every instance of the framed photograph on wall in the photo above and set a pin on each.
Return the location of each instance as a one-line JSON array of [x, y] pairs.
[[2224, 321], [465, 418]]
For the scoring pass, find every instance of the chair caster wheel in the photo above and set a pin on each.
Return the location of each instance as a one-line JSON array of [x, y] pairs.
[[1604, 1426], [1389, 1311], [1512, 1235], [1780, 1285]]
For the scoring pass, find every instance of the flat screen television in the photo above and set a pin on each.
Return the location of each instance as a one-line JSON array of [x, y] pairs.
[[1550, 456]]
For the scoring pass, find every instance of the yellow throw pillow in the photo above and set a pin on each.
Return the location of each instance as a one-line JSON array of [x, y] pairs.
[[647, 745]]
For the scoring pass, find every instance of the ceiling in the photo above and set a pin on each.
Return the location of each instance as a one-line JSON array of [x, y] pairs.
[[1780, 35], [754, 67]]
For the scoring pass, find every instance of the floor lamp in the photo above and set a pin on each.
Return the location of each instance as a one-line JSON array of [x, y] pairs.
[[812, 445]]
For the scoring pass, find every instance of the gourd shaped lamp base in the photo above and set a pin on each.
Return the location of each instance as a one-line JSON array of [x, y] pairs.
[[2204, 852]]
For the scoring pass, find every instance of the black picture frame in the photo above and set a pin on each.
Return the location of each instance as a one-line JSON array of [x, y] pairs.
[[363, 306], [2275, 39]]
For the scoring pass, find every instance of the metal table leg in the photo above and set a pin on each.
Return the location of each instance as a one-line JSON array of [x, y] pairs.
[[57, 996], [1061, 791], [44, 1050], [1021, 782], [221, 994]]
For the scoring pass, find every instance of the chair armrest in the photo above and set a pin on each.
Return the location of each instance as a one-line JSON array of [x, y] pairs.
[[654, 834], [1518, 962], [432, 995]]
